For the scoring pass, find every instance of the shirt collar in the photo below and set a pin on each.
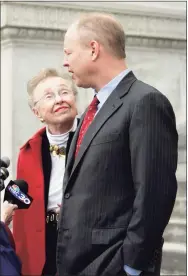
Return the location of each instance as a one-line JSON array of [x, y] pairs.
[[105, 92]]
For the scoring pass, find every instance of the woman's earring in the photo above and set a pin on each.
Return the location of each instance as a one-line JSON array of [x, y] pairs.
[[42, 120]]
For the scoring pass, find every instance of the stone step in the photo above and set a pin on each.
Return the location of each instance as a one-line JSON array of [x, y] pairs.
[[181, 172], [179, 248], [179, 210], [182, 154], [174, 259], [174, 248], [175, 231], [181, 188], [182, 139]]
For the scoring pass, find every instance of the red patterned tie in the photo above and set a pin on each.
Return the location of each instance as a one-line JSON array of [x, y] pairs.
[[92, 109]]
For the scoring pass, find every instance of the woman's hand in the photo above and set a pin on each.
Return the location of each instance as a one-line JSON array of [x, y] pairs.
[[8, 212]]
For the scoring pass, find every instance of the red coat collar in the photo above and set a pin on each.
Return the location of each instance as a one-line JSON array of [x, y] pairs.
[[36, 137]]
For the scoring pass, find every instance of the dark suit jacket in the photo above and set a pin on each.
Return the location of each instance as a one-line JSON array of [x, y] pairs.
[[9, 262], [120, 190], [34, 166]]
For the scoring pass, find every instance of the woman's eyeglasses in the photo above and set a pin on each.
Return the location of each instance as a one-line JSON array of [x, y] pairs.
[[51, 96]]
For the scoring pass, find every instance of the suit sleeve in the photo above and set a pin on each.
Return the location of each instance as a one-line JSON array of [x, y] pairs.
[[153, 149], [9, 262]]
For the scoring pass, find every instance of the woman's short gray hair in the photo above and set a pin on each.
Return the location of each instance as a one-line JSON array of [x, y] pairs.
[[44, 74]]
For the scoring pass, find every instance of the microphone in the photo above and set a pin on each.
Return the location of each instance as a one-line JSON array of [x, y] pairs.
[[16, 192], [3, 175], [4, 162], [2, 185]]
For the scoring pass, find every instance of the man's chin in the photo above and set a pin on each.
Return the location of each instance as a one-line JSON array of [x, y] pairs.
[[78, 82], [82, 85]]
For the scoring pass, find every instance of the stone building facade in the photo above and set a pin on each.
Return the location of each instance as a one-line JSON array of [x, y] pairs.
[[32, 38]]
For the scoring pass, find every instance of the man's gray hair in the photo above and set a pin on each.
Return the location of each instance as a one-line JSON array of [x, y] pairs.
[[105, 29]]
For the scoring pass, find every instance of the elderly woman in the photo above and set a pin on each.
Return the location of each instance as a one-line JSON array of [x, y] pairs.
[[41, 164]]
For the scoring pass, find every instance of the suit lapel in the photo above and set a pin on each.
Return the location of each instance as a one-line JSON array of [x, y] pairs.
[[112, 104], [108, 109], [71, 151], [71, 135]]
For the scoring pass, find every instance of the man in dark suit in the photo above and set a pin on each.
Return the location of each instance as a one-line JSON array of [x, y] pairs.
[[119, 184]]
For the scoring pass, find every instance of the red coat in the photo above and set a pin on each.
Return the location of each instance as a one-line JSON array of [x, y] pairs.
[[29, 225]]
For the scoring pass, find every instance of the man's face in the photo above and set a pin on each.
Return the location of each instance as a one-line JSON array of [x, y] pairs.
[[54, 101], [78, 59]]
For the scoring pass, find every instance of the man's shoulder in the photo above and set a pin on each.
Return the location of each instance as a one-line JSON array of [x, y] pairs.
[[141, 90]]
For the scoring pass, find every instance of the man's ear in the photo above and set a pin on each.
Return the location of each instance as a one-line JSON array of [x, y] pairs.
[[95, 49]]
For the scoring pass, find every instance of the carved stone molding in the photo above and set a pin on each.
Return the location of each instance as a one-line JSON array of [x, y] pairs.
[[16, 34], [155, 42], [31, 33], [58, 16]]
